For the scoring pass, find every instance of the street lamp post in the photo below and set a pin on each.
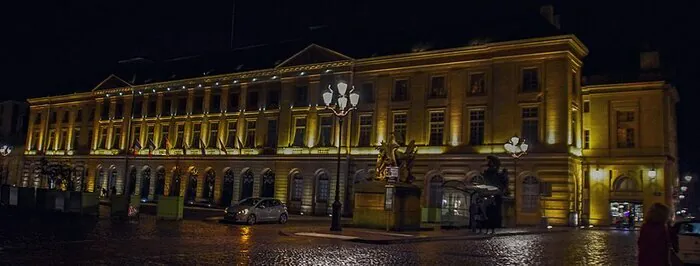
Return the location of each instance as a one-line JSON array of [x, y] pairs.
[[516, 147], [340, 109]]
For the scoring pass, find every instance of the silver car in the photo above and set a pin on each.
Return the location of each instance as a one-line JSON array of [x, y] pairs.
[[253, 210]]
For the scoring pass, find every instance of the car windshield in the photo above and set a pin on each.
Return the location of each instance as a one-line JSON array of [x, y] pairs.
[[249, 202]]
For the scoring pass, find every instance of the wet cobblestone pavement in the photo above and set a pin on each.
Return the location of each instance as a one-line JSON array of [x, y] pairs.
[[191, 242]]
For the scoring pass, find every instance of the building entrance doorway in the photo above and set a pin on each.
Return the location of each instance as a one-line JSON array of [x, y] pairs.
[[626, 214]]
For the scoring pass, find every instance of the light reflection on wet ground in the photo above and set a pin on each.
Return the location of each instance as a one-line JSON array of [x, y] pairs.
[[201, 243]]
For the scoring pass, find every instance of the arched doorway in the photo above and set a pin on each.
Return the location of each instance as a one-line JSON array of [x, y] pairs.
[[247, 182], [626, 202], [296, 192], [191, 192], [100, 182], [145, 183], [322, 193], [176, 183], [227, 190], [160, 182], [267, 186], [131, 189], [209, 182], [113, 175]]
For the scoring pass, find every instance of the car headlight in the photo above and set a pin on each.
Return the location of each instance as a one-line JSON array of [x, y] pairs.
[[243, 211], [226, 210]]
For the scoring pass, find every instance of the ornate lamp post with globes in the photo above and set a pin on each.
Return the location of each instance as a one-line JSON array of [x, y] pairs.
[[516, 147], [340, 109]]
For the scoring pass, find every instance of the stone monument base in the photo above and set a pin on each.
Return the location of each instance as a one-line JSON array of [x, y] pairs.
[[401, 212]]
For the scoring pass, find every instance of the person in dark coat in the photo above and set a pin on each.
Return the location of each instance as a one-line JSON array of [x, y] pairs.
[[473, 211], [654, 244], [492, 215]]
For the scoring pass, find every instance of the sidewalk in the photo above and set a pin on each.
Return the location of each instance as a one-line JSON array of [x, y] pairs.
[[380, 237]]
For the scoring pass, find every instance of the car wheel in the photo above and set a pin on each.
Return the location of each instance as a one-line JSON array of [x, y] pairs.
[[251, 219], [283, 218]]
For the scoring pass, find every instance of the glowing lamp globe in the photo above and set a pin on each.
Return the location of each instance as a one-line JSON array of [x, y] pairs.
[[327, 97], [681, 196], [684, 188], [342, 102], [597, 174], [514, 140], [342, 87], [354, 99], [688, 178], [652, 173], [523, 147]]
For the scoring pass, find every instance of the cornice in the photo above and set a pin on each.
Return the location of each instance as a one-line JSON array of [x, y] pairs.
[[628, 86]]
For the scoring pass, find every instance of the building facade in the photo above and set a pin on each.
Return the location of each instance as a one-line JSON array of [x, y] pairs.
[[265, 132], [13, 127]]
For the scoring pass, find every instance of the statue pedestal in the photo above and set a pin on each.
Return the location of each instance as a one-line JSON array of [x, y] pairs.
[[398, 210]]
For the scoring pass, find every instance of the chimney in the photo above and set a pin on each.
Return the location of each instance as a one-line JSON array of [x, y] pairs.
[[649, 60], [547, 11]]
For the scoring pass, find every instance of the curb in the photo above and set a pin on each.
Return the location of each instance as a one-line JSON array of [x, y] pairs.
[[434, 238]]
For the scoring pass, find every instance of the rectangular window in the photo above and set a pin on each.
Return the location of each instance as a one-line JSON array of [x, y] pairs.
[[477, 83], [150, 131], [213, 134], [164, 134], [76, 138], [215, 104], [196, 135], [299, 132], [182, 105], [323, 190], [365, 130], [301, 98], [136, 136], [105, 110], [63, 139], [116, 136], [167, 106], [231, 137], [38, 118], [530, 80], [437, 87], [325, 134], [476, 127], [197, 104], [152, 107], [271, 133], [530, 124], [400, 92], [179, 143], [250, 134], [586, 106], [233, 102], [252, 101], [138, 109], [625, 129], [367, 93], [298, 185], [52, 139], [437, 128], [586, 139], [35, 141], [102, 142], [118, 110], [400, 127], [79, 116], [273, 100], [52, 118]]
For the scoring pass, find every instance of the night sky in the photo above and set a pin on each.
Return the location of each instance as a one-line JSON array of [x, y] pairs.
[[58, 47]]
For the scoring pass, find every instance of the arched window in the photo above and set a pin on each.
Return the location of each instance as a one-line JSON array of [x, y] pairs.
[[267, 186], [145, 182], [297, 187], [192, 185], [531, 194], [175, 185], [625, 183], [209, 182], [435, 200], [160, 181], [323, 188], [247, 182], [227, 193], [132, 182]]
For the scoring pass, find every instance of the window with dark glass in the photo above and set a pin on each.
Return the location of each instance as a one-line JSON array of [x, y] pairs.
[[150, 131], [301, 98], [152, 107], [437, 128], [297, 187], [231, 137], [586, 106], [252, 101], [299, 132], [213, 134], [118, 110], [215, 103], [324, 139], [625, 129], [250, 134], [164, 134], [273, 100], [79, 116], [52, 118], [400, 127], [530, 124], [197, 104], [323, 191], [271, 133], [530, 80], [135, 136], [182, 105], [477, 84], [116, 136], [586, 139], [437, 87], [233, 102], [52, 139], [76, 138], [179, 143], [105, 110], [63, 139], [367, 93], [400, 92], [196, 135], [64, 117], [365, 130], [38, 118], [167, 106], [476, 127]]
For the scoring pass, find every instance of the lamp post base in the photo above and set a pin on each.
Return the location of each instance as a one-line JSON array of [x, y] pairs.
[[335, 222]]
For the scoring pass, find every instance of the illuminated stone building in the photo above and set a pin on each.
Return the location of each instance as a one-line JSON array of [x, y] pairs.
[[264, 132]]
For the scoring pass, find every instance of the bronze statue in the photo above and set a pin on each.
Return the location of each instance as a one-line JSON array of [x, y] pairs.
[[390, 156]]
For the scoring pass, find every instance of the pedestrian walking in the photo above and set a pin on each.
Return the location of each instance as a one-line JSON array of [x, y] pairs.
[[654, 243]]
